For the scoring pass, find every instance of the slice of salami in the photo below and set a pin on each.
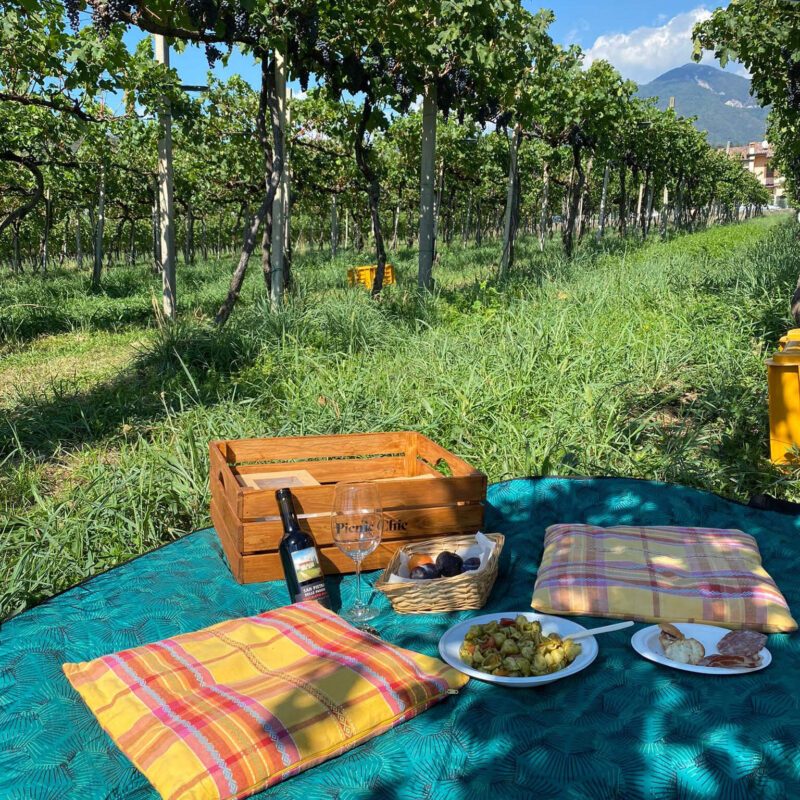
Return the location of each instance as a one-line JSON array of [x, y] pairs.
[[741, 643], [730, 662]]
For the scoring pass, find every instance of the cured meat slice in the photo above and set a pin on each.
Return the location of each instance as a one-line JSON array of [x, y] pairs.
[[741, 643], [730, 661]]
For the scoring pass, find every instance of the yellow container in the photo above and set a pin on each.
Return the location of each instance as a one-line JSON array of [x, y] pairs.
[[366, 275], [792, 339], [784, 405]]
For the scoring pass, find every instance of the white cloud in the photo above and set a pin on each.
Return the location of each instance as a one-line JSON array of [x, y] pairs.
[[647, 52]]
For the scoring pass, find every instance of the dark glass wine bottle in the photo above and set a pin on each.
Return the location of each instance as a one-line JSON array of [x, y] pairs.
[[299, 556]]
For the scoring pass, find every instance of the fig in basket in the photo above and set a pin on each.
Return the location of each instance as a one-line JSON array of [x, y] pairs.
[[425, 572], [418, 560], [449, 564]]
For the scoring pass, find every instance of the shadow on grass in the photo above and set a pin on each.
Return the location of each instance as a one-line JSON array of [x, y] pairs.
[[712, 436], [191, 359]]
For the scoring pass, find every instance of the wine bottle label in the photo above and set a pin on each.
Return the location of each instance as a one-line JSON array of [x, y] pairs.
[[312, 591], [306, 565]]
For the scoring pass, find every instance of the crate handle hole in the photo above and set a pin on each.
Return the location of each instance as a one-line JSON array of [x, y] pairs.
[[443, 468]]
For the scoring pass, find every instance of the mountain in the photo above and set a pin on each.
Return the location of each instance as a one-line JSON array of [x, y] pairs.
[[720, 100]]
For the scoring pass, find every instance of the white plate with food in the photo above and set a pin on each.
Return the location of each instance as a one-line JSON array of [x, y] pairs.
[[537, 652], [705, 649]]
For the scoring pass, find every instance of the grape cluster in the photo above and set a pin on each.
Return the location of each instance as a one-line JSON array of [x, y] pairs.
[[456, 86], [106, 12], [203, 13], [72, 13], [213, 54]]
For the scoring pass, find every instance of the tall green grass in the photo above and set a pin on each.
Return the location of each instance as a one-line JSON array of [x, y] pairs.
[[645, 361]]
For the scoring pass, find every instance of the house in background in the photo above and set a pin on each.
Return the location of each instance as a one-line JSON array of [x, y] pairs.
[[756, 157]]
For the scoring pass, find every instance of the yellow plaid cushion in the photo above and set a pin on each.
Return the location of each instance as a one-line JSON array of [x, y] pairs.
[[240, 706], [659, 574]]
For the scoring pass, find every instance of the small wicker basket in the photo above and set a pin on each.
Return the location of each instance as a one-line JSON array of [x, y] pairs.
[[466, 591]]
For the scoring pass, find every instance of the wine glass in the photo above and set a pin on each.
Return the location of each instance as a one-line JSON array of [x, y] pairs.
[[356, 525]]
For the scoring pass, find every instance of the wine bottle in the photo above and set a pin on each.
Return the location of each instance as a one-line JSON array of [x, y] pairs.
[[299, 556]]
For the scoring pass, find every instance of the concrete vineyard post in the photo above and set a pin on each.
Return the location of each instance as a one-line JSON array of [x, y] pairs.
[[166, 206]]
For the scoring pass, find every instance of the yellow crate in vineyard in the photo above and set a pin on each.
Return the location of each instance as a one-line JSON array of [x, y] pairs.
[[366, 275]]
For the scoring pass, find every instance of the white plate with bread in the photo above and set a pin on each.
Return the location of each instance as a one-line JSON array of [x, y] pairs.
[[705, 649]]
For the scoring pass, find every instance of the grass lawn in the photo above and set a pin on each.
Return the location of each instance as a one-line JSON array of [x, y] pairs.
[[645, 361]]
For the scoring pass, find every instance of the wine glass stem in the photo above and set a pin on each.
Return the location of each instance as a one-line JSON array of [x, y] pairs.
[[359, 603]]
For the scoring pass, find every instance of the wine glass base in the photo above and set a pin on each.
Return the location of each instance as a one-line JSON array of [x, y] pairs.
[[360, 614]]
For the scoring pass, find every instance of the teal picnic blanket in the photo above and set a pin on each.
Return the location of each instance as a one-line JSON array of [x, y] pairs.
[[623, 728]]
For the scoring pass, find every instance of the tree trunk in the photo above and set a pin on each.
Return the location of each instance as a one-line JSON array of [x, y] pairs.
[[78, 239], [248, 245], [511, 217], [601, 228], [545, 211], [269, 99], [374, 194], [467, 221], [575, 198], [132, 244], [584, 204], [287, 196], [48, 222], [266, 250], [16, 262], [395, 224], [662, 217], [427, 188], [165, 194], [100, 224], [189, 249], [623, 202], [278, 251], [62, 254], [334, 228], [649, 211]]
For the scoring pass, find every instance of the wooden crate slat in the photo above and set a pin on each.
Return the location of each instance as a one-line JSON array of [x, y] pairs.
[[223, 481], [309, 447], [268, 567], [340, 470], [232, 524], [418, 522], [394, 494], [232, 553]]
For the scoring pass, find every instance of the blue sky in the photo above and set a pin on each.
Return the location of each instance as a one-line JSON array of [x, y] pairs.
[[641, 38]]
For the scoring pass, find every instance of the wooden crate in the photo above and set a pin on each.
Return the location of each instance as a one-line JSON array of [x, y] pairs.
[[419, 501], [365, 276]]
